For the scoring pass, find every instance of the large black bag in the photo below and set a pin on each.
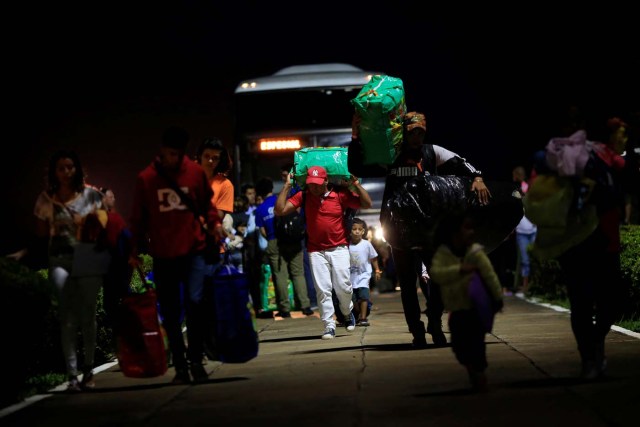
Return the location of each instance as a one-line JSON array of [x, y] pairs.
[[412, 214], [290, 228]]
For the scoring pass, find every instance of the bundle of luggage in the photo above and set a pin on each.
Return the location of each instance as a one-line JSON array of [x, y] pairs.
[[415, 210], [381, 106], [332, 159]]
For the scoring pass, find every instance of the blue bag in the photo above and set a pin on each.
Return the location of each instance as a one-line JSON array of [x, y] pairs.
[[236, 333]]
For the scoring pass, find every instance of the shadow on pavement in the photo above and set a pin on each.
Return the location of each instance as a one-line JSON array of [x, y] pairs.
[[141, 387], [456, 392], [556, 382]]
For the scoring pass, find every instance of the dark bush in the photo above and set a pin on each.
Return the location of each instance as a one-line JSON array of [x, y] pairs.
[[546, 276], [630, 265], [546, 280], [31, 331]]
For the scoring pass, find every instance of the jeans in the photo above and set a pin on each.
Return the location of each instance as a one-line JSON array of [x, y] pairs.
[[524, 240], [169, 274], [78, 300]]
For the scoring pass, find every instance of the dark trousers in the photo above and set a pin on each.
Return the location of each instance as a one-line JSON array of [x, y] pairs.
[[467, 339], [116, 286], [169, 274], [408, 265], [596, 293], [287, 263], [253, 268]]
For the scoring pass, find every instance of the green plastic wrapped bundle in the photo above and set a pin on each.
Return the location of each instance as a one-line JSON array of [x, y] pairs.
[[268, 291], [381, 104], [332, 159]]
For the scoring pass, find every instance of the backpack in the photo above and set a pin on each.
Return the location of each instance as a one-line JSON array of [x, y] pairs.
[[290, 228]]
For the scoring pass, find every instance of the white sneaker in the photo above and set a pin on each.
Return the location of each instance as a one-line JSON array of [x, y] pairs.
[[350, 322], [329, 334]]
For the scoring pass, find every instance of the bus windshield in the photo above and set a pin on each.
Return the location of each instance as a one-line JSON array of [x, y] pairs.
[[309, 109]]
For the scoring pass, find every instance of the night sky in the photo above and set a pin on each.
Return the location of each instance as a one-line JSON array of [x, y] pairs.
[[106, 79]]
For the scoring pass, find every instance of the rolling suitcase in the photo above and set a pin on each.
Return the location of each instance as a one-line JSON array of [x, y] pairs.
[[140, 337], [236, 335]]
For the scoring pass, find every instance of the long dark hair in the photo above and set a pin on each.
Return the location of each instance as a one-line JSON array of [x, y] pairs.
[[53, 184], [225, 159]]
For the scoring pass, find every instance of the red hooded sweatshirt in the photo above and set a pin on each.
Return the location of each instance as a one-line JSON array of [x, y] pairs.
[[159, 214]]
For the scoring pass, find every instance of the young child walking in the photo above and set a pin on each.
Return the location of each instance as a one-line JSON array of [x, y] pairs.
[[363, 258], [457, 259]]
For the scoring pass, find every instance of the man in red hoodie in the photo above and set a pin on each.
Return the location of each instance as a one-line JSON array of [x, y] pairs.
[[172, 199]]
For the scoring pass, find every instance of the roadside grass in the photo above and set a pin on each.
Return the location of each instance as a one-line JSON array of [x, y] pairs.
[[564, 303], [42, 383], [630, 324]]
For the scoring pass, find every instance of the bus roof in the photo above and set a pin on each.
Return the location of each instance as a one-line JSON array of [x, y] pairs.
[[329, 75]]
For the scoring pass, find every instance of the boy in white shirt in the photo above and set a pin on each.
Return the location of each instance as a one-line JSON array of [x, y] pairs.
[[363, 257]]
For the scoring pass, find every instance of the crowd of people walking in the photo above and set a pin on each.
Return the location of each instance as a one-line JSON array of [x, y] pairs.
[[185, 215]]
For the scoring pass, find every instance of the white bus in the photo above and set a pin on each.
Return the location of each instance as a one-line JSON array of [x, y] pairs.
[[298, 106]]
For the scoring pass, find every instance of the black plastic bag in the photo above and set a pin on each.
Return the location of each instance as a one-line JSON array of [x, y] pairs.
[[411, 215]]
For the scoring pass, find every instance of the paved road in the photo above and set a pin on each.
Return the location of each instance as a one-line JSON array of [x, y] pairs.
[[372, 377]]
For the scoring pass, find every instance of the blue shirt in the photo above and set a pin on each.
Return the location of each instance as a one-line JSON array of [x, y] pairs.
[[264, 216]]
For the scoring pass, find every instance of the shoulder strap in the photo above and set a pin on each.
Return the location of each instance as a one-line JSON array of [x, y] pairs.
[[174, 186], [429, 156]]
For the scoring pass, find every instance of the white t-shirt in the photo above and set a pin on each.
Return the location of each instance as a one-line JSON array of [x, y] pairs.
[[526, 227], [64, 218], [360, 255]]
